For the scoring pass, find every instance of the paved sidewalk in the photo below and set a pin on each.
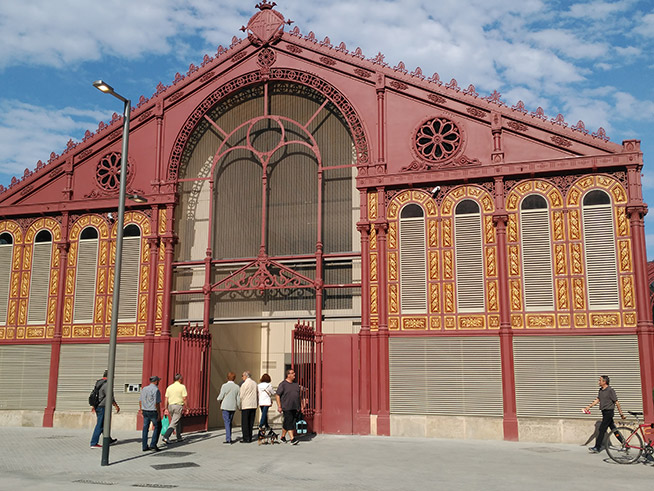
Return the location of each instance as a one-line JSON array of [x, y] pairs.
[[60, 459]]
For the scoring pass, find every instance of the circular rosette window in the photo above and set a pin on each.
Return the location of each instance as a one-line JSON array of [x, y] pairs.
[[438, 140], [107, 173]]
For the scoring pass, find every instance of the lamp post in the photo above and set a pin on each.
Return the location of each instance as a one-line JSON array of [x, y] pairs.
[[106, 432]]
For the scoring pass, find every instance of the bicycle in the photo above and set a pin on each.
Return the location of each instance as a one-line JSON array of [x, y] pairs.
[[625, 444]]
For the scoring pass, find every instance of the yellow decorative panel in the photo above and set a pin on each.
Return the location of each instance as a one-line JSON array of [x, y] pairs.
[[392, 235], [489, 229], [159, 307], [145, 277], [619, 195], [414, 323], [487, 204], [434, 298], [13, 310], [580, 320], [433, 265], [373, 267], [562, 299], [448, 292], [72, 255], [586, 182], [403, 197], [102, 256], [579, 293], [22, 311], [605, 320], [557, 222], [35, 332], [564, 320], [162, 221], [459, 192], [573, 225], [374, 323], [446, 207], [491, 262], [623, 223], [82, 331], [630, 319], [373, 299], [512, 228], [555, 199], [392, 266], [143, 307], [474, 191], [52, 309], [25, 284], [517, 321], [450, 322], [393, 323], [448, 264], [160, 277], [625, 256], [493, 322], [516, 294], [65, 332], [447, 232], [373, 239], [54, 281], [70, 281], [540, 321], [3, 333], [99, 309], [435, 322], [512, 202], [50, 332], [126, 331], [20, 333], [576, 258], [11, 333], [430, 206], [432, 233], [524, 187], [393, 299], [472, 322], [68, 310], [628, 292], [162, 252], [491, 293], [372, 206], [559, 259], [15, 281], [102, 281], [141, 330]]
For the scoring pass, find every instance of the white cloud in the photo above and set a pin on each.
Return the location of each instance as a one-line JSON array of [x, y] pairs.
[[568, 44], [598, 10], [646, 26]]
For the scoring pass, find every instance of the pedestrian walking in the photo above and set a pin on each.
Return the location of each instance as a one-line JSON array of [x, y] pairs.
[[607, 400], [175, 400], [230, 398], [249, 402], [266, 392], [288, 403], [150, 407], [100, 395]]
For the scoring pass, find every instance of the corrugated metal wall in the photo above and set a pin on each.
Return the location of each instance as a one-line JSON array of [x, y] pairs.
[[24, 374]]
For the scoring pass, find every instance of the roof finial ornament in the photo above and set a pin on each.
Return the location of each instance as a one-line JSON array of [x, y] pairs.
[[265, 5], [267, 26]]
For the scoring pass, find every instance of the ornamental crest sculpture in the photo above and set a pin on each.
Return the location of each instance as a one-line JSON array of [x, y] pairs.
[[267, 26]]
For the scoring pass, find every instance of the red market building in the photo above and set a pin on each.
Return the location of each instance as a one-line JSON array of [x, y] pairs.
[[432, 262]]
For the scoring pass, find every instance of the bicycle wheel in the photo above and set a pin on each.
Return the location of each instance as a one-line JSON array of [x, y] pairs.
[[624, 445]]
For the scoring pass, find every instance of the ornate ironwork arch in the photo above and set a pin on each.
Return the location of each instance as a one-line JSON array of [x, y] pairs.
[[278, 74]]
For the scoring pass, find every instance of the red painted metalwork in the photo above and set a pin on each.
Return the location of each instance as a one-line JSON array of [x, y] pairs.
[[190, 355], [305, 362]]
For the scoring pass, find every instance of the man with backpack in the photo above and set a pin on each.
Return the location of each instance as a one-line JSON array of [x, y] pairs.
[[96, 401]]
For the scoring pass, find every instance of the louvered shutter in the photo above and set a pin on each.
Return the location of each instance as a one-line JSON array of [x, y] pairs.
[[87, 260], [556, 376], [82, 364], [458, 376], [468, 252], [129, 279], [40, 283], [24, 373], [6, 253], [413, 266], [601, 264], [537, 259]]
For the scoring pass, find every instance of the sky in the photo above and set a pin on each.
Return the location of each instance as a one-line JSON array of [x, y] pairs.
[[588, 60]]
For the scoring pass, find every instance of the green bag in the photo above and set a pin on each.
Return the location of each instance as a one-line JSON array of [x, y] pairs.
[[164, 424]]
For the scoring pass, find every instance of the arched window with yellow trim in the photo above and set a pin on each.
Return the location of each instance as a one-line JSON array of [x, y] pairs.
[[469, 257], [600, 254], [413, 260], [40, 278], [85, 277], [6, 254], [129, 274]]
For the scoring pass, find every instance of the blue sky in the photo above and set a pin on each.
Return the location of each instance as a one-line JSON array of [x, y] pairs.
[[590, 61]]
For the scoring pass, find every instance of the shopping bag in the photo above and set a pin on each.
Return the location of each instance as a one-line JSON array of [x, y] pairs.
[[164, 424]]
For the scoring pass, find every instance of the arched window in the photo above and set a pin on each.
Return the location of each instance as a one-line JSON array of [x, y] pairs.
[[413, 261], [469, 256], [87, 262], [536, 253], [129, 274], [599, 245], [6, 254], [40, 278]]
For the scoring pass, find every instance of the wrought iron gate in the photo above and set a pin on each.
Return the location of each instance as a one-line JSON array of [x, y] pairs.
[[304, 363], [190, 355]]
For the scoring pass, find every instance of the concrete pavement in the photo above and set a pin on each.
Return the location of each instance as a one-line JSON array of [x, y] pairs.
[[59, 458]]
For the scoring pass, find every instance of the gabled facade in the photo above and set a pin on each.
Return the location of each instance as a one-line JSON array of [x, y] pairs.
[[459, 267]]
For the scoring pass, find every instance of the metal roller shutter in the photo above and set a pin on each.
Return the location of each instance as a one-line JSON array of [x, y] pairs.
[[24, 373], [40, 284], [129, 279], [556, 376], [446, 376], [469, 256], [413, 266], [87, 262], [82, 364]]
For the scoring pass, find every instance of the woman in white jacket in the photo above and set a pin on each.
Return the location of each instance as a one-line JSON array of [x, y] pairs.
[[266, 393]]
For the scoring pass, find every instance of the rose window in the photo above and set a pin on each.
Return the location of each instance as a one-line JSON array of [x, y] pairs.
[[107, 172], [438, 139]]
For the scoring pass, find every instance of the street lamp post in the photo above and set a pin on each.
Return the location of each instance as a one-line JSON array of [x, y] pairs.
[[106, 432]]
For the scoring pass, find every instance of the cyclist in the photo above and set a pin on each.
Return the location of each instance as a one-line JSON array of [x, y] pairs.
[[607, 400]]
